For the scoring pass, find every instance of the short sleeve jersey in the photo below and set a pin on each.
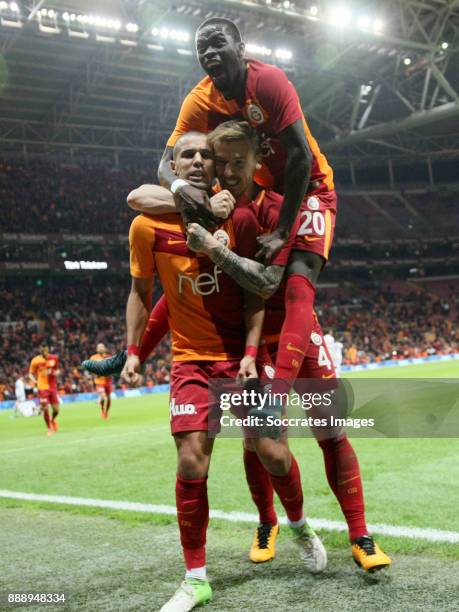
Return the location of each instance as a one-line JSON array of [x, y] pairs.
[[271, 104], [44, 370], [206, 307]]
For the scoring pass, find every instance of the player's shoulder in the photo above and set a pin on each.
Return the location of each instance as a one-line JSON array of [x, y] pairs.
[[259, 71], [95, 357], [36, 359], [203, 92], [149, 227]]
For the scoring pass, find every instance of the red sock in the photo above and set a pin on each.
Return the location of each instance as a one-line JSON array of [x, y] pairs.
[[296, 331], [289, 490], [260, 486], [193, 518], [343, 474], [46, 417], [157, 328]]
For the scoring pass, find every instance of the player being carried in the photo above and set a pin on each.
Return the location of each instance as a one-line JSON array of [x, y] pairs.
[[103, 383], [239, 87], [43, 372], [236, 158], [208, 318]]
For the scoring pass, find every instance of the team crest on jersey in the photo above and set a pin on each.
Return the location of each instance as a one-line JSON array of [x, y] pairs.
[[222, 237], [269, 371], [255, 114], [313, 203], [316, 339]]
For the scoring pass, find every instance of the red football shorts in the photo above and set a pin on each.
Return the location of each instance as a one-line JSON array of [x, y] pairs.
[[189, 393], [48, 396], [107, 388], [317, 222]]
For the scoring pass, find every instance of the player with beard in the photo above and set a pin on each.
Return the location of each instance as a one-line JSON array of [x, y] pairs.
[[237, 87], [207, 322], [235, 164]]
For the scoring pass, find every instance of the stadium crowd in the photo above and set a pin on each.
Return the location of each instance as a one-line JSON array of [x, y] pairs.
[[64, 199], [382, 324], [72, 316]]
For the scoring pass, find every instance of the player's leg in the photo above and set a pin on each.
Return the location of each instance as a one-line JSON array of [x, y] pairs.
[[157, 327], [44, 403], [262, 491], [108, 398], [341, 463], [54, 400], [102, 398], [302, 274], [189, 424], [309, 255], [285, 476]]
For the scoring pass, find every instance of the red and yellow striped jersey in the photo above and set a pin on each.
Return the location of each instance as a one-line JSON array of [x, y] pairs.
[[206, 307], [271, 104], [44, 370]]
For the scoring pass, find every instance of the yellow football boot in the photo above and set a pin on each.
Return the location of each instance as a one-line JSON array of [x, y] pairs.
[[368, 555], [264, 543]]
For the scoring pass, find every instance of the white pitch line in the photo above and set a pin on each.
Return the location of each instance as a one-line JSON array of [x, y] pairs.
[[415, 533]]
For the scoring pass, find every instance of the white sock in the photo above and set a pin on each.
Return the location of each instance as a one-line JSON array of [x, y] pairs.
[[296, 524], [200, 573]]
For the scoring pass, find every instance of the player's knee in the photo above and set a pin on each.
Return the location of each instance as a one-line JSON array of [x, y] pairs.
[[274, 456], [192, 465], [307, 264]]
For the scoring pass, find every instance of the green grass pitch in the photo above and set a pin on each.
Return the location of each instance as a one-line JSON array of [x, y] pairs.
[[119, 560]]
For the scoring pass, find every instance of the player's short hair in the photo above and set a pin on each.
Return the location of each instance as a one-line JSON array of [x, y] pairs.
[[234, 131], [44, 347], [180, 140], [228, 25]]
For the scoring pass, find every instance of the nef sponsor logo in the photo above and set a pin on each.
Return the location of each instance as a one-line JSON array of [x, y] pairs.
[[202, 284], [181, 409]]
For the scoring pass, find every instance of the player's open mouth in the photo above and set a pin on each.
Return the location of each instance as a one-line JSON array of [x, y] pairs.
[[214, 69]]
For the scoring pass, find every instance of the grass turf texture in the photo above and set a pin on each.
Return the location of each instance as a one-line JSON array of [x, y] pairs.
[[122, 560]]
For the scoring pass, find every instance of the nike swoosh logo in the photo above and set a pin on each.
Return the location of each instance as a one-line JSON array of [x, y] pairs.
[[341, 482], [171, 242], [328, 376], [290, 347], [312, 238]]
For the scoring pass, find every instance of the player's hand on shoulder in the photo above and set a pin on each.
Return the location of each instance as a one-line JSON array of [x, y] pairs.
[[222, 204], [270, 245], [198, 238], [131, 371], [247, 369], [194, 206]]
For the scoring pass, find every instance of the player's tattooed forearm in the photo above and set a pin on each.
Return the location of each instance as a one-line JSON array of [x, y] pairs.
[[251, 275]]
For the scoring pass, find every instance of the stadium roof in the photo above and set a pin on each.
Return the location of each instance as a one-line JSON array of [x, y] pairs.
[[377, 81]]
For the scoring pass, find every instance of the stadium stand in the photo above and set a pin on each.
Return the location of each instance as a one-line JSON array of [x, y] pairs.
[[54, 217]]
